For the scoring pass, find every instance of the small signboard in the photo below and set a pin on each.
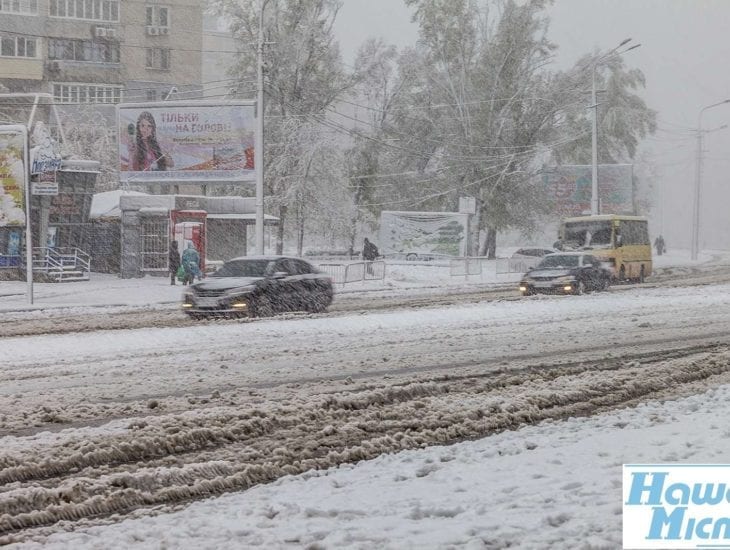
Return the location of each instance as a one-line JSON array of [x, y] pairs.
[[467, 205], [44, 183]]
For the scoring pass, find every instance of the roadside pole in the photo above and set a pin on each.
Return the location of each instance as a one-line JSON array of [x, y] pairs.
[[28, 232]]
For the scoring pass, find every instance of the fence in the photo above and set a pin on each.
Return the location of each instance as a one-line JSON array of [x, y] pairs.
[[516, 265], [471, 265], [355, 272]]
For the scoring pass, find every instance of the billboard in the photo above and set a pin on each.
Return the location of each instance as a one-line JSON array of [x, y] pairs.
[[12, 177], [178, 142], [423, 232], [570, 188]]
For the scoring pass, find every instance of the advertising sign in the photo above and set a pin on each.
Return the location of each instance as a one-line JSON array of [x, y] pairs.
[[45, 161], [179, 142], [423, 232], [12, 178], [570, 187]]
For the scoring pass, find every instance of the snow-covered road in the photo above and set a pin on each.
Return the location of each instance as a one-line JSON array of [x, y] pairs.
[[110, 421]]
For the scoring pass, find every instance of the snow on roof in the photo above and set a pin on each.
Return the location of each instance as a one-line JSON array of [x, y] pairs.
[[106, 205]]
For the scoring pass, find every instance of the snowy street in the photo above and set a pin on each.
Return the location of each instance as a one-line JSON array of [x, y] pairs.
[[113, 422]]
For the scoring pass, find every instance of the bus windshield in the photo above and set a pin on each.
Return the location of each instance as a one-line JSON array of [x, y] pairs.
[[588, 234]]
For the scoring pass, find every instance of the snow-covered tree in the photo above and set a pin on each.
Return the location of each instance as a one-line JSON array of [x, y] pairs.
[[304, 77]]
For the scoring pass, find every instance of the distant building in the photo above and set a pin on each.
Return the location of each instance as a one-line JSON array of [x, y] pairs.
[[101, 51]]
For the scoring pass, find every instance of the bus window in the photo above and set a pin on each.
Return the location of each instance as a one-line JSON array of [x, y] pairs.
[[596, 233]]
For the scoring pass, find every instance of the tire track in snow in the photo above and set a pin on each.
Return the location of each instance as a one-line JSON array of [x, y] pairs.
[[172, 459]]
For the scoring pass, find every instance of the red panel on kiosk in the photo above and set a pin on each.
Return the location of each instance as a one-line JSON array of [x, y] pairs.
[[189, 226]]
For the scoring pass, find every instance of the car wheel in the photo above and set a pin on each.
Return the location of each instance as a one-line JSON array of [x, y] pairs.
[[411, 257], [263, 307], [580, 288], [316, 304], [605, 283]]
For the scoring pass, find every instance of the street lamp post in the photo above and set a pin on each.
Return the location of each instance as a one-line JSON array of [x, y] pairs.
[[595, 209], [259, 150], [698, 182]]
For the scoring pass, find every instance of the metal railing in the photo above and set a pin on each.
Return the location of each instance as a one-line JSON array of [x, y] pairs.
[[355, 272], [470, 265], [62, 263], [516, 265]]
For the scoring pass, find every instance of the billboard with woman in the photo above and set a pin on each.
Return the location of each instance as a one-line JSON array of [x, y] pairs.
[[178, 142]]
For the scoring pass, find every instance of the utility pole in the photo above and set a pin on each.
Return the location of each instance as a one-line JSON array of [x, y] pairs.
[[694, 248], [259, 150], [594, 145], [595, 206]]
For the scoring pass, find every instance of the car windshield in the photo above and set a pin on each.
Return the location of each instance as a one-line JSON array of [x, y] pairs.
[[560, 260], [243, 268]]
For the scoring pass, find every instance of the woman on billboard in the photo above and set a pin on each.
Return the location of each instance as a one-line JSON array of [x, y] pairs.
[[146, 153]]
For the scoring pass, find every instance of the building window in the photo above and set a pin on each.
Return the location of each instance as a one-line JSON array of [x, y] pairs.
[[93, 10], [17, 46], [29, 7], [151, 95], [158, 58], [86, 93], [158, 16], [83, 50]]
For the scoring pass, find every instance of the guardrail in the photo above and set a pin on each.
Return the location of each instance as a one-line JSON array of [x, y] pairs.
[[355, 272]]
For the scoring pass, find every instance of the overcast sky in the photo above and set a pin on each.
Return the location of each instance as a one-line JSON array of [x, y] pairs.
[[684, 53]]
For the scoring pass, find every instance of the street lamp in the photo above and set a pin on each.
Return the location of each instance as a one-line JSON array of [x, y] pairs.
[[594, 133], [698, 176], [259, 150]]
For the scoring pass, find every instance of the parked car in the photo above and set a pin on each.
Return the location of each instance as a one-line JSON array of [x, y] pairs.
[[259, 286], [525, 259], [533, 252], [566, 273]]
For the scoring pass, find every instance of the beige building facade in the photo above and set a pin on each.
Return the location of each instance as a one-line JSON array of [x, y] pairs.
[[102, 51]]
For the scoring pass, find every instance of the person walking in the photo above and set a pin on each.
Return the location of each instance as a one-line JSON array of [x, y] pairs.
[[369, 253], [173, 261], [660, 246], [191, 264]]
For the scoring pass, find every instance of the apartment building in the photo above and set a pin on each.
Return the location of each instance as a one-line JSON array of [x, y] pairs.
[[102, 51]]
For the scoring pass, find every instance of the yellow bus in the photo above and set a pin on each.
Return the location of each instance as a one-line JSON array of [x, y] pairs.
[[622, 242]]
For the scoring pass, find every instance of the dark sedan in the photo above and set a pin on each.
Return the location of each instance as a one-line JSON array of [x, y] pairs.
[[566, 273], [259, 286]]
